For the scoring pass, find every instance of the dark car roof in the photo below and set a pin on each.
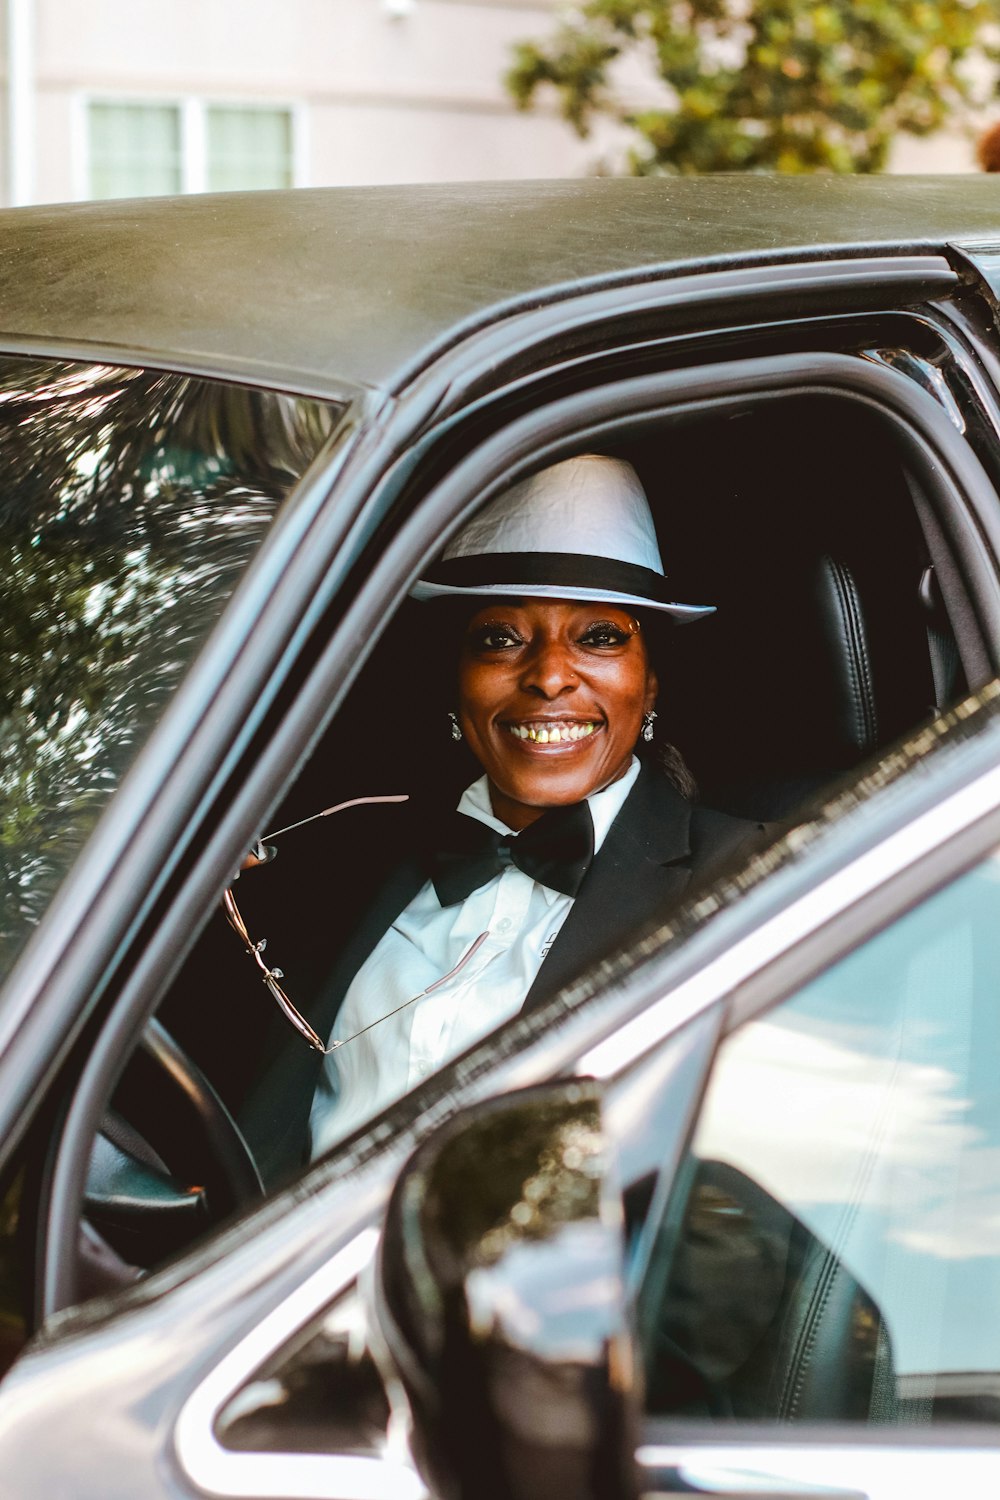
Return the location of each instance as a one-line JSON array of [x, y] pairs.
[[317, 287]]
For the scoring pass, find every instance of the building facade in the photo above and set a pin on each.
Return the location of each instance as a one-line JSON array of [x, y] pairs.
[[113, 98], [122, 97]]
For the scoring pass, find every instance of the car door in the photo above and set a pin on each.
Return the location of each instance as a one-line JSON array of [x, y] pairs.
[[135, 500], [806, 1130], [398, 511], [255, 1420], [816, 1282]]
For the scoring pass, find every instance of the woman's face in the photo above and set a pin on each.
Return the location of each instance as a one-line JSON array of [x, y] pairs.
[[551, 696]]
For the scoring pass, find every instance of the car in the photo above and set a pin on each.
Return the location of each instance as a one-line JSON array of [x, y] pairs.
[[235, 429]]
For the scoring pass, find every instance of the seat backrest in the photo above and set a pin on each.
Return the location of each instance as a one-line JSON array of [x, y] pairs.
[[799, 681], [760, 1320]]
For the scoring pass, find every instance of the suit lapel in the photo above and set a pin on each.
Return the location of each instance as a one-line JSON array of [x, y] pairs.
[[642, 868], [391, 897], [275, 1118]]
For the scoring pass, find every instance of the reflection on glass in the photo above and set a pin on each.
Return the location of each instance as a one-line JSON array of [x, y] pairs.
[[321, 1394], [131, 503], [841, 1210]]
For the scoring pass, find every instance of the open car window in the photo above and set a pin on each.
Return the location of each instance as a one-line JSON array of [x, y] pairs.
[[830, 640]]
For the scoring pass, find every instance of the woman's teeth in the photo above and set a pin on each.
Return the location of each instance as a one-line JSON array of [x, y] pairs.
[[551, 734]]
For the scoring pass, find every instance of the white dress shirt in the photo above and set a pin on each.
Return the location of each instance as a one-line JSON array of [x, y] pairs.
[[521, 918]]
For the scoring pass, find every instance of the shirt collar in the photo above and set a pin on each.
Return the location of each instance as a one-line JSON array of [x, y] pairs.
[[604, 805]]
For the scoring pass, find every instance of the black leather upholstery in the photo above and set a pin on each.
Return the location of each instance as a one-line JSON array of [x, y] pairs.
[[798, 521], [801, 684], [760, 1321], [844, 631]]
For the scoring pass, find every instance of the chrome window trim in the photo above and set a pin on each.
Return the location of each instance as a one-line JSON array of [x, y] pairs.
[[285, 1476], [845, 889], [878, 1471]]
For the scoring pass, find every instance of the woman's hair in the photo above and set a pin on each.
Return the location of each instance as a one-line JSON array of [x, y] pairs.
[[660, 752], [671, 762]]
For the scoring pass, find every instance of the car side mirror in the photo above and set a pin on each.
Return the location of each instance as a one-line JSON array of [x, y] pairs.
[[500, 1299]]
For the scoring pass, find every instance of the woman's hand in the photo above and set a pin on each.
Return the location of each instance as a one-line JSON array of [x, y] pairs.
[[260, 854]]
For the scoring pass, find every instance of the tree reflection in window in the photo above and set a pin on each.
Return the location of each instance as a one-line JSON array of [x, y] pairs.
[[130, 504]]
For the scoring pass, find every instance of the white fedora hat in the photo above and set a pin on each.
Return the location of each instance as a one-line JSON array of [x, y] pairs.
[[581, 529]]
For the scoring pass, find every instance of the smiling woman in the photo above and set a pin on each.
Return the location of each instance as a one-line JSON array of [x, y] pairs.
[[552, 698], [548, 603]]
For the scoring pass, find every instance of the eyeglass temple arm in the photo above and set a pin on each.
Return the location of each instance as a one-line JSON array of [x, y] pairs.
[[327, 811], [270, 976]]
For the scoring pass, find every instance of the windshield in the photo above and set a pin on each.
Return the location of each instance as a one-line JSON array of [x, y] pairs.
[[132, 502]]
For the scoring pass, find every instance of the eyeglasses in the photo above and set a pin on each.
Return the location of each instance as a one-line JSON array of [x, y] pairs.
[[271, 976]]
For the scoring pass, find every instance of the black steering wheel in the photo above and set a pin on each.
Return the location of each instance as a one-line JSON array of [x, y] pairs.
[[169, 1162]]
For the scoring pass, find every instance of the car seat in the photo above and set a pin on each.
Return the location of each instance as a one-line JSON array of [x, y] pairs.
[[825, 668], [760, 1320]]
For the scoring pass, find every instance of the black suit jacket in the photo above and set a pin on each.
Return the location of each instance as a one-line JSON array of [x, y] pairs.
[[659, 847]]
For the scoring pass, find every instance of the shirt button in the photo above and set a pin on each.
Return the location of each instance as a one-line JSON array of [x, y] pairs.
[[504, 926], [423, 1069]]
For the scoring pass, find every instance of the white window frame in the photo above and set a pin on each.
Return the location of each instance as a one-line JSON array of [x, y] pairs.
[[193, 110]]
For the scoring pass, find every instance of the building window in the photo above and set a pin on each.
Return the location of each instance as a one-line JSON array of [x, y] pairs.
[[248, 148], [135, 150], [140, 150]]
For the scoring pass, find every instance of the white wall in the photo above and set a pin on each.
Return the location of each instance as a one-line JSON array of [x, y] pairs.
[[378, 99]]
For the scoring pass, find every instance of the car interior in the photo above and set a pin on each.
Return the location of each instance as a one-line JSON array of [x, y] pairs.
[[759, 1320], [832, 638]]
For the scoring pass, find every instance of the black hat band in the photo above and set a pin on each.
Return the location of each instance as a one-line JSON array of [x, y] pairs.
[[550, 569]]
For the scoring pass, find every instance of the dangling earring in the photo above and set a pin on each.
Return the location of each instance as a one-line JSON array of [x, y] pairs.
[[456, 728], [647, 724]]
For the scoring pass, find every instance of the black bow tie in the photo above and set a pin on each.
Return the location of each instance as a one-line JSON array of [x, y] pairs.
[[556, 850]]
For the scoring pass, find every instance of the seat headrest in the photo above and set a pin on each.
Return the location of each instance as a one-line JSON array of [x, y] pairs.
[[842, 639], [799, 681]]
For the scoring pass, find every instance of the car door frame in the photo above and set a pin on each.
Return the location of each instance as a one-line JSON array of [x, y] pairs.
[[952, 476], [382, 447], [371, 484], [916, 859]]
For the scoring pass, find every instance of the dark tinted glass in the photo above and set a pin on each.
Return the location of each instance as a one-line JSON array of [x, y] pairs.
[[320, 1394], [131, 503], [831, 1251]]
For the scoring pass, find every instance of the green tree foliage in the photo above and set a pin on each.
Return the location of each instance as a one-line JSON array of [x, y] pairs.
[[786, 85]]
